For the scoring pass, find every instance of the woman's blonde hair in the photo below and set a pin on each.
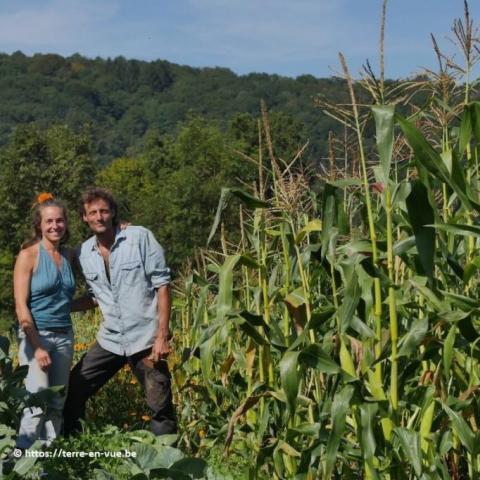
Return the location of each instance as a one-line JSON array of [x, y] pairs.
[[42, 201]]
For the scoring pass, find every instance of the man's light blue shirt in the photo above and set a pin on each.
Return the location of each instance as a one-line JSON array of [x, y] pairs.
[[128, 300]]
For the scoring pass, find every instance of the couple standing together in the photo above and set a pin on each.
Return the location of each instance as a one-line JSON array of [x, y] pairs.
[[127, 278]]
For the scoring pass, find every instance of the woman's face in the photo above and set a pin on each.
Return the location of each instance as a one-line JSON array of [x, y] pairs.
[[53, 224]]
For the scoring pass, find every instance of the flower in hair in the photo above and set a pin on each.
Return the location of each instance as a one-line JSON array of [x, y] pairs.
[[44, 197]]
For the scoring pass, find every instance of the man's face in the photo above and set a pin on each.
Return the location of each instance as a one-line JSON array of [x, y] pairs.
[[98, 216]]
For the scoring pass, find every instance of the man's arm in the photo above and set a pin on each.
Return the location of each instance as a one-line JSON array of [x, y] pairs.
[[161, 347], [159, 274], [81, 304], [86, 302]]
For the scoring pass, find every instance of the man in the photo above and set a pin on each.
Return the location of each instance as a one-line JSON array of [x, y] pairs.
[[127, 277]]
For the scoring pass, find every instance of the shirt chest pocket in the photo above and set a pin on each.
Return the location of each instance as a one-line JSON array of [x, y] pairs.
[[131, 273], [90, 277]]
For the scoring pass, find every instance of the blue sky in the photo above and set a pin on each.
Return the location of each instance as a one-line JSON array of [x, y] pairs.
[[287, 37]]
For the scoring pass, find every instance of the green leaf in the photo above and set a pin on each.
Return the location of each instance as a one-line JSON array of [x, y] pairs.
[[312, 226], [249, 200], [340, 407], [190, 466], [384, 121], [410, 445], [461, 428], [250, 330], [24, 465], [421, 215], [296, 298], [404, 245], [329, 209], [432, 298], [448, 349], [350, 301], [466, 129], [206, 357], [470, 269], [474, 109], [225, 286], [290, 378], [433, 163], [319, 317], [368, 412], [361, 327], [414, 336], [459, 229], [315, 357], [463, 302], [309, 429]]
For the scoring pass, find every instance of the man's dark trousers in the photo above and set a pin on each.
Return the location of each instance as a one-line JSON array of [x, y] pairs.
[[98, 365]]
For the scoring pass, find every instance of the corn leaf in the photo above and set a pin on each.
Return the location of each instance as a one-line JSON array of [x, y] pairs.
[[368, 412], [421, 216], [461, 428], [290, 378], [459, 229], [427, 156], [448, 349], [414, 337], [315, 357], [312, 226], [466, 129], [384, 121], [248, 200], [410, 446], [225, 286], [340, 407]]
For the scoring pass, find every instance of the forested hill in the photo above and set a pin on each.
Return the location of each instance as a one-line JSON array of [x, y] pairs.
[[123, 99]]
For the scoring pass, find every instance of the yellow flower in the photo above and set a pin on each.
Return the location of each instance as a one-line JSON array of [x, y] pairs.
[[133, 381], [146, 418]]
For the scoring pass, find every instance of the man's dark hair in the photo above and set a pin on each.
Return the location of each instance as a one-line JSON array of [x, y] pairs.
[[98, 193]]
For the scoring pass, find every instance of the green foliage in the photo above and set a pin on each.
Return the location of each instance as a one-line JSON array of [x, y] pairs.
[[55, 160], [6, 293], [127, 99], [14, 398], [173, 187], [110, 453]]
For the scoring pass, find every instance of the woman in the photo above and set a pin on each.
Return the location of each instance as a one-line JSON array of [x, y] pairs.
[[43, 288]]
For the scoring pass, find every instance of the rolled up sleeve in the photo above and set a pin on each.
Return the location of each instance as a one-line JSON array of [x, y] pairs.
[[155, 265]]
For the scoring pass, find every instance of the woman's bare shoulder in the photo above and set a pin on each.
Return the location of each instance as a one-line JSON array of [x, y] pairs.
[[28, 255]]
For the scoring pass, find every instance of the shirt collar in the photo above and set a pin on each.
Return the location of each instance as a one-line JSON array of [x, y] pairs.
[[119, 235]]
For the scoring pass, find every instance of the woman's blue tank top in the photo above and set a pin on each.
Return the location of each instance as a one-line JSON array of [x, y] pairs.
[[51, 292]]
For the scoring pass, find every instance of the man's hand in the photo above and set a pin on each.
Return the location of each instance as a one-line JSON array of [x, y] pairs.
[[161, 349], [43, 358]]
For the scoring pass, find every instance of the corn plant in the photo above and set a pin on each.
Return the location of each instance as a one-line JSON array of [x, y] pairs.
[[339, 338]]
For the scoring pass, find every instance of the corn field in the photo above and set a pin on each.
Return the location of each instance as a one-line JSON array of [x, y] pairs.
[[337, 336]]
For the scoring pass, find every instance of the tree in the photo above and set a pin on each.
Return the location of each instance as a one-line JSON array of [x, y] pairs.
[[55, 160]]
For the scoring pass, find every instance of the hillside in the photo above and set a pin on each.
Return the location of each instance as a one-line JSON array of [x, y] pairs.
[[122, 100]]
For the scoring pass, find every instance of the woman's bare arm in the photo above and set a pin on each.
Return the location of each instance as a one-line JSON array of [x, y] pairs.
[[22, 275]]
